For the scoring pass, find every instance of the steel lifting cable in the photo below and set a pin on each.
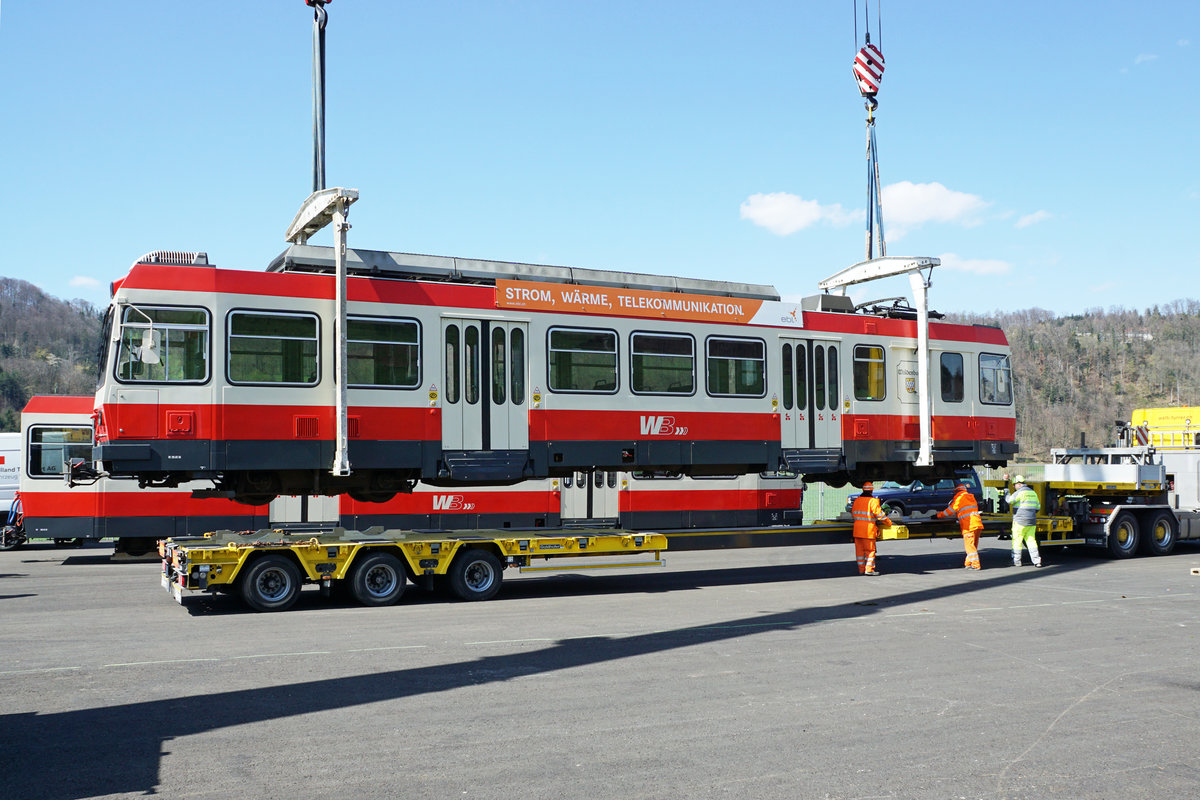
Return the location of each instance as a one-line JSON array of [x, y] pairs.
[[320, 19]]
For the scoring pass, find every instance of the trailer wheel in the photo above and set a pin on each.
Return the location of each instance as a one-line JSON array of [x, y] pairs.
[[377, 579], [1123, 535], [272, 583], [1160, 534], [475, 575]]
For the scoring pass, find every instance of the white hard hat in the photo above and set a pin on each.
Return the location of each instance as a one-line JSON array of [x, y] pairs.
[[1019, 479]]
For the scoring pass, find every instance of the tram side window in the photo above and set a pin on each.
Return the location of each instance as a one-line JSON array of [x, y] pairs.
[[952, 377], [833, 378], [516, 341], [995, 379], [819, 377], [499, 370], [163, 345], [869, 372], [582, 360], [801, 376], [453, 354], [736, 367], [270, 347], [51, 447], [662, 363], [383, 353], [787, 377]]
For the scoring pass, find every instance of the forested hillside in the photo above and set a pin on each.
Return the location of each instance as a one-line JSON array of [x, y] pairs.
[[1079, 374], [1073, 374], [47, 346]]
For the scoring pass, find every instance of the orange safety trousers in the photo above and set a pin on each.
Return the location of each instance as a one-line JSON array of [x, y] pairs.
[[971, 544], [864, 551]]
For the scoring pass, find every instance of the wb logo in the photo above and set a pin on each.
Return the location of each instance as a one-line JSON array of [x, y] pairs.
[[447, 502], [658, 426]]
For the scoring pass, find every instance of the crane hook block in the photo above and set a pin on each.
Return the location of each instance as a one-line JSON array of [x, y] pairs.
[[314, 3], [868, 70]]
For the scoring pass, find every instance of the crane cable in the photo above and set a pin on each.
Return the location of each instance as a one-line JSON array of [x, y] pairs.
[[320, 19]]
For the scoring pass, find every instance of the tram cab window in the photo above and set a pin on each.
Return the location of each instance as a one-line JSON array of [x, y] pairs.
[[383, 353], [272, 347], [736, 367], [582, 360], [869, 372], [163, 345], [952, 377], [995, 379], [51, 447], [662, 363]]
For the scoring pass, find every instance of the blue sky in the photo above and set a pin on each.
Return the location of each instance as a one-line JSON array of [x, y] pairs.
[[1045, 151]]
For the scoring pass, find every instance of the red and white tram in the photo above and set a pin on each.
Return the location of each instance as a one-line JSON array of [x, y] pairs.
[[476, 372], [56, 430]]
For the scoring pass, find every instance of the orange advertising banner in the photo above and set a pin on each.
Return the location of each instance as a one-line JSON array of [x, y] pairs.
[[571, 299]]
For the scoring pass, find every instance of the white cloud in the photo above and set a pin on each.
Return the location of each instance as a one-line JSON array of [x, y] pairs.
[[1104, 288], [1144, 57], [1184, 42], [975, 266], [85, 281], [782, 213], [1033, 219], [907, 205]]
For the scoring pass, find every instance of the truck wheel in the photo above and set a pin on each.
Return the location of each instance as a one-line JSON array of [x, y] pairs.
[[272, 583], [377, 579], [1123, 535], [475, 575], [1160, 535]]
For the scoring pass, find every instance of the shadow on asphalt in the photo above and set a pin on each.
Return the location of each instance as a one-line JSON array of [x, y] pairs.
[[55, 756]]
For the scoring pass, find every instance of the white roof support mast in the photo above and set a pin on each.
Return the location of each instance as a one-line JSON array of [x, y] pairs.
[[868, 73], [886, 267], [322, 207]]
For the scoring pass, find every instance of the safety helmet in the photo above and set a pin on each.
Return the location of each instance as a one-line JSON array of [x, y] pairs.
[[962, 487], [1019, 479], [868, 487]]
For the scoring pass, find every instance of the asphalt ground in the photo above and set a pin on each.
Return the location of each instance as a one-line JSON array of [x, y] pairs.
[[762, 673]]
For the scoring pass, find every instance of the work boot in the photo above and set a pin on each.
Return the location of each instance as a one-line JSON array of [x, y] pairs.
[[1037, 563], [873, 573]]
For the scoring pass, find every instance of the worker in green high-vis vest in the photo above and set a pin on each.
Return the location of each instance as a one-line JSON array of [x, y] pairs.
[[1024, 504]]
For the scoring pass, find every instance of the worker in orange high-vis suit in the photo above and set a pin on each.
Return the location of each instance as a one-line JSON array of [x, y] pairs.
[[868, 519], [966, 510]]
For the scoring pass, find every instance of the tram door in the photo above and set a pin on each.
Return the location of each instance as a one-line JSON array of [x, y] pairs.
[[810, 410], [485, 382], [592, 496]]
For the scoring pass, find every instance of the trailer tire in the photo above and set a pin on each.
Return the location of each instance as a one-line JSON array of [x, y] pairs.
[[271, 583], [1159, 537], [1123, 535], [475, 574], [377, 579]]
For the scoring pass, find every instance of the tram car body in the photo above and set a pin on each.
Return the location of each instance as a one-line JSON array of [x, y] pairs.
[[466, 372], [58, 429]]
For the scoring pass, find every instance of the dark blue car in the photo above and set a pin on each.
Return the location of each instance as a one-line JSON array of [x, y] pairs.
[[909, 499]]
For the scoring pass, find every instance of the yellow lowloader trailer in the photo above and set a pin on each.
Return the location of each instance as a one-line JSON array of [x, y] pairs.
[[267, 568], [1142, 496]]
